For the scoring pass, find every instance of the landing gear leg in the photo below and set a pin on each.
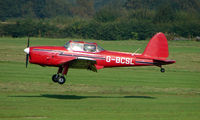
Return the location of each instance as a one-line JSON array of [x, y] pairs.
[[59, 77]]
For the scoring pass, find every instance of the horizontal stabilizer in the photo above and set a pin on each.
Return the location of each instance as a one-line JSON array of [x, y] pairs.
[[163, 62]]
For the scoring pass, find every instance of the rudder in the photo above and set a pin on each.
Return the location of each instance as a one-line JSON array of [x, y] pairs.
[[157, 47]]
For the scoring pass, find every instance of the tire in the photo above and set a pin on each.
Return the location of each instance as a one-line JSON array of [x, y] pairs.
[[162, 70], [61, 80], [55, 78]]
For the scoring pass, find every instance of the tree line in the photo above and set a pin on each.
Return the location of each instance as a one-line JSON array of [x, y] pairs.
[[100, 19]]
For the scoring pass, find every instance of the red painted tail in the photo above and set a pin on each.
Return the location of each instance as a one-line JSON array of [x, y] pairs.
[[157, 47]]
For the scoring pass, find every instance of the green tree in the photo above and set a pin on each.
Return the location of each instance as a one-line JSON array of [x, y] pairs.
[[83, 8], [164, 14], [107, 14]]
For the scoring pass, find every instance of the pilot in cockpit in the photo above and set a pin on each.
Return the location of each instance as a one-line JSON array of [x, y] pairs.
[[89, 48], [81, 46]]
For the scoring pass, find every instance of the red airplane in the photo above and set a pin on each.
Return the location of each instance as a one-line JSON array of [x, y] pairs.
[[85, 55]]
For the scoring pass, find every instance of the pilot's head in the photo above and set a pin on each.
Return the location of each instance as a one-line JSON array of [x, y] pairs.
[[90, 48]]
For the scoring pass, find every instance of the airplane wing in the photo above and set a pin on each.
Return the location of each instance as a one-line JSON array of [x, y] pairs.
[[82, 63]]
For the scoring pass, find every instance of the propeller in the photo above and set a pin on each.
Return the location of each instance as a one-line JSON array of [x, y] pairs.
[[26, 50]]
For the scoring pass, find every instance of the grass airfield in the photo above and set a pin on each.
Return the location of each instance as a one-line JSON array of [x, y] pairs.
[[137, 93]]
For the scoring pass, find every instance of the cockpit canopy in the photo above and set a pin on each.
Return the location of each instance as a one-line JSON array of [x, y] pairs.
[[83, 46]]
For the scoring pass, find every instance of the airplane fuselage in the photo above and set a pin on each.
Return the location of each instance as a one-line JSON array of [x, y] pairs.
[[54, 56]]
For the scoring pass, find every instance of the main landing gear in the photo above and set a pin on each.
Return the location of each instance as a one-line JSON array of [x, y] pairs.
[[59, 77], [162, 70]]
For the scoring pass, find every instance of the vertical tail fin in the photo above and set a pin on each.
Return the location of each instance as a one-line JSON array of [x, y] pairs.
[[157, 47]]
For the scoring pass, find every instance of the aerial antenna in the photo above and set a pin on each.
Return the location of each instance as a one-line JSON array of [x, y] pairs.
[[136, 51]]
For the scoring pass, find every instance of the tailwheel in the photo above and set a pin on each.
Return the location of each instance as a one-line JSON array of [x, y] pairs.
[[55, 77], [61, 80], [162, 70]]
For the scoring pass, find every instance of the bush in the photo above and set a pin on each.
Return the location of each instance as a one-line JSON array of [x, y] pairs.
[[121, 30], [189, 29], [19, 29], [29, 28]]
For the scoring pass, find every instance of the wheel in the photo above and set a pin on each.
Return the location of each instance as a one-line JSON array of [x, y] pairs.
[[55, 77], [61, 80], [162, 70]]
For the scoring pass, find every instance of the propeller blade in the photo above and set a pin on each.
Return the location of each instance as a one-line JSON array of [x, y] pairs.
[[27, 55]]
